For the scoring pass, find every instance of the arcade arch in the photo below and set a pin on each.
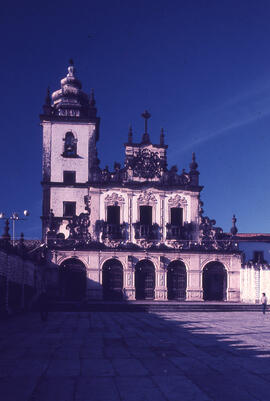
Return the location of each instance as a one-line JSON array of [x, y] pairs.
[[112, 280], [72, 278], [145, 280], [177, 280], [214, 282]]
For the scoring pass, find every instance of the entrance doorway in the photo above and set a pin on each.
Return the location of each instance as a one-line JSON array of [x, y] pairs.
[[72, 280], [112, 280], [177, 280], [145, 280], [214, 282]]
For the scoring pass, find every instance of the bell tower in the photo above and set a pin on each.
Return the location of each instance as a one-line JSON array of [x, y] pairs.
[[70, 132]]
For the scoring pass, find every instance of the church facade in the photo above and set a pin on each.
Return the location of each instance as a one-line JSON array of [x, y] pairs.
[[135, 233]]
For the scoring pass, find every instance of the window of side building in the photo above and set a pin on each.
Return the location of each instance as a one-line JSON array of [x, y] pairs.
[[69, 209]]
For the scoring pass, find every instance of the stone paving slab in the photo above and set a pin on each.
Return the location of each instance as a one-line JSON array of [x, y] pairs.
[[168, 356]]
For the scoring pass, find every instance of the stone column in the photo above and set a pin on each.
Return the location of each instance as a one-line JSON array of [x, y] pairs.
[[94, 288], [129, 279], [130, 217], [161, 279], [194, 279], [162, 218]]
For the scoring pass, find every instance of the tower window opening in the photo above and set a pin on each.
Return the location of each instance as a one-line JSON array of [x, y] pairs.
[[70, 145], [69, 209], [146, 215], [176, 216], [69, 177], [113, 214]]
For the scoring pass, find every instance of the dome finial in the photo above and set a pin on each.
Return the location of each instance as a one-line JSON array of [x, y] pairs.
[[47, 105], [146, 139], [92, 98], [193, 165], [71, 68], [162, 137], [130, 134], [234, 229]]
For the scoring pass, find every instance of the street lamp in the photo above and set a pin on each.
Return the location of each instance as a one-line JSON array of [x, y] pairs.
[[14, 217]]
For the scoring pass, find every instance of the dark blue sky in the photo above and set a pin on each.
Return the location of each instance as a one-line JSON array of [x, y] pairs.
[[202, 68]]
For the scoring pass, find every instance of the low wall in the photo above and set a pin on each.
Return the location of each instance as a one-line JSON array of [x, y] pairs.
[[20, 282]]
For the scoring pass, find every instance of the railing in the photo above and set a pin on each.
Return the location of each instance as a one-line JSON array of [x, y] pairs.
[[112, 231], [145, 231], [174, 232]]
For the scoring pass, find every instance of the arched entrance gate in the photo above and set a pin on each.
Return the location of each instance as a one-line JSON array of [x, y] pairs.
[[145, 280], [177, 280], [72, 277], [112, 280], [214, 282]]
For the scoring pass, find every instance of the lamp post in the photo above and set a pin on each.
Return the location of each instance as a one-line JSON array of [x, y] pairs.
[[14, 217]]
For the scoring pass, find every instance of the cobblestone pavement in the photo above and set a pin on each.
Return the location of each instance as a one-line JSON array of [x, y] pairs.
[[136, 357]]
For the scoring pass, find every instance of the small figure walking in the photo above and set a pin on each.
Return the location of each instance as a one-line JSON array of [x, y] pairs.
[[264, 302]]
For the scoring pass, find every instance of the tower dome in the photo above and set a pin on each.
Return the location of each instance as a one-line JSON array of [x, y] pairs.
[[70, 100]]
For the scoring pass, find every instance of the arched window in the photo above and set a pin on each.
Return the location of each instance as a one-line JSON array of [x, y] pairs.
[[70, 145]]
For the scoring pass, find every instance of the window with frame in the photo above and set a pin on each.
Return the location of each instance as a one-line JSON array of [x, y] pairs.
[[70, 145], [176, 216], [69, 177], [69, 209], [113, 214]]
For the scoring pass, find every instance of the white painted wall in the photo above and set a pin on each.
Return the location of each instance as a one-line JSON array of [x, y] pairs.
[[83, 132]]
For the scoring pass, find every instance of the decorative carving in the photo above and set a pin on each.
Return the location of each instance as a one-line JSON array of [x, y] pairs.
[[172, 178], [212, 237], [129, 279], [164, 262], [147, 198], [161, 280], [130, 261], [78, 228], [87, 201], [114, 199], [177, 201], [146, 164]]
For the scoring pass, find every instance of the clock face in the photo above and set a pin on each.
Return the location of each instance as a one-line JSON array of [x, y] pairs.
[[146, 164]]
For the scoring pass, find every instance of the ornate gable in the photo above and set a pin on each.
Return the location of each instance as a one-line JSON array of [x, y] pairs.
[[114, 199], [177, 201]]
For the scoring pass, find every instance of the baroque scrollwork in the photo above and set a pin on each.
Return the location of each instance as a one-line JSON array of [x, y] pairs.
[[114, 199], [177, 201], [147, 198], [78, 228], [146, 164]]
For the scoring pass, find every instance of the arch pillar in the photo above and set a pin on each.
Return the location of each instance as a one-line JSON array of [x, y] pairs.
[[161, 292], [194, 279], [129, 279]]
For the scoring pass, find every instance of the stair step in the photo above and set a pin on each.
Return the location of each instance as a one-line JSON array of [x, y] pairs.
[[153, 307]]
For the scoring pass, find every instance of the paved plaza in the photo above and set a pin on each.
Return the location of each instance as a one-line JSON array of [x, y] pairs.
[[136, 357]]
